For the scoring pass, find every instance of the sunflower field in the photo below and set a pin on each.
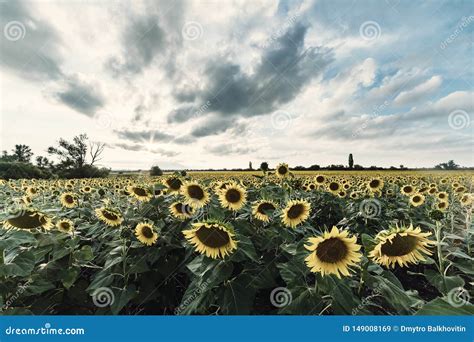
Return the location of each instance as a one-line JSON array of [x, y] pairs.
[[282, 242]]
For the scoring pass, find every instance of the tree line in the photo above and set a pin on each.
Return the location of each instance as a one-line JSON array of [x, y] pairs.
[[74, 159]]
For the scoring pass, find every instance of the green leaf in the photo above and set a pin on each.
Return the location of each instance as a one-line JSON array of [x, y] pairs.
[[17, 238], [69, 276], [21, 265], [444, 284], [39, 286], [238, 296], [84, 255], [440, 306], [123, 297]]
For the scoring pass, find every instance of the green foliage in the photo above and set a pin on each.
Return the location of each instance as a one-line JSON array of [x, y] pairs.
[[17, 170]]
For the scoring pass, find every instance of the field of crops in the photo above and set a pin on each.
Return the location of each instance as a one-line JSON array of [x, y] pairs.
[[353, 243]]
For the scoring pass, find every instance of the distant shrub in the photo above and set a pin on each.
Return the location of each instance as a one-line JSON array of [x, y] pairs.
[[156, 171], [86, 171], [17, 170]]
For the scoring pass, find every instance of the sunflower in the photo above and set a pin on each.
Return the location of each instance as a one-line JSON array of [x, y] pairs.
[[145, 233], [334, 187], [68, 200], [320, 179], [196, 196], [442, 205], [262, 210], [214, 239], [295, 212], [32, 191], [282, 170], [407, 190], [402, 245], [181, 210], [65, 226], [417, 199], [142, 194], [28, 219], [233, 197], [466, 200], [111, 217], [334, 252], [375, 184], [442, 196], [86, 190], [173, 184]]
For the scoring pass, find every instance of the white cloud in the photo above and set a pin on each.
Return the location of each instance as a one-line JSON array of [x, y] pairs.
[[419, 92]]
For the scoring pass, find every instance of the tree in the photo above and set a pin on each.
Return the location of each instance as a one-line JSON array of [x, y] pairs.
[[264, 166], [450, 165], [96, 149], [250, 166], [351, 161], [156, 171], [22, 153], [43, 162], [71, 154], [7, 157]]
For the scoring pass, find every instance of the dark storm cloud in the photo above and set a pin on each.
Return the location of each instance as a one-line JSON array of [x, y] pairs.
[[81, 97], [142, 40], [184, 140], [30, 47], [228, 149], [284, 70], [212, 126], [144, 135], [182, 114], [142, 148]]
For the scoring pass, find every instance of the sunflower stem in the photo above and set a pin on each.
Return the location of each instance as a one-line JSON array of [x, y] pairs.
[[438, 247]]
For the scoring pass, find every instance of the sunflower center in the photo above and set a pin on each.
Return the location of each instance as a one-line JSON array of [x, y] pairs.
[[69, 199], [65, 225], [147, 232], [139, 191], [408, 189], [399, 246], [232, 196], [213, 236], [196, 192], [282, 170], [174, 183], [416, 199], [331, 250], [265, 207], [333, 186], [320, 179], [108, 215], [28, 220], [374, 183], [295, 211]]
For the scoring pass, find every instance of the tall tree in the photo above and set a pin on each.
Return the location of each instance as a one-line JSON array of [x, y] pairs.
[[71, 154], [450, 165], [264, 166], [351, 161], [22, 153]]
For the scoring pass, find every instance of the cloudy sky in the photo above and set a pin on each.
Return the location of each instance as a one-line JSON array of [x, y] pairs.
[[198, 84]]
